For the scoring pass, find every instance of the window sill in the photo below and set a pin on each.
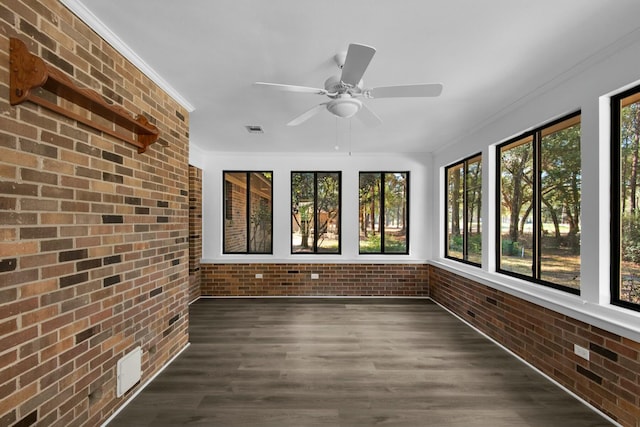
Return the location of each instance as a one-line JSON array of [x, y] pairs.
[[312, 259]]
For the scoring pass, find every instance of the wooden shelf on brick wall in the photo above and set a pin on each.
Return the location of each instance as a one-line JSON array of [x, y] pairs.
[[29, 72]]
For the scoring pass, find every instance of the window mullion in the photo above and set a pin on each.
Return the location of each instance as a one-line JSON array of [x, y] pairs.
[[465, 217], [382, 209], [248, 211], [315, 212], [616, 235], [537, 205]]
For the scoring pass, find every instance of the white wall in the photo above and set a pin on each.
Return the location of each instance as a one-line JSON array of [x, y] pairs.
[[420, 209], [587, 87]]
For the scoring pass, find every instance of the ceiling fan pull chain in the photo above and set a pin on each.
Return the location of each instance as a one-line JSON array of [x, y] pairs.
[[349, 137]]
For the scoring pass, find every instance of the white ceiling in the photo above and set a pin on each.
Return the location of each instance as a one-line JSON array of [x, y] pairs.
[[490, 55]]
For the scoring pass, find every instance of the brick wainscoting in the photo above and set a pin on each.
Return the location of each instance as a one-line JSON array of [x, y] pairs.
[[93, 235], [609, 380], [333, 280]]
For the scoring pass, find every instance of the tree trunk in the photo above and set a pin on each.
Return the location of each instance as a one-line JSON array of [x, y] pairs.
[[523, 220], [623, 183], [554, 218], [633, 184], [516, 200], [574, 218], [514, 216], [455, 206], [404, 210], [305, 234], [372, 217]]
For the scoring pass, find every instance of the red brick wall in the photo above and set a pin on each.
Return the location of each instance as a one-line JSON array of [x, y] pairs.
[[195, 230], [610, 380], [93, 235], [334, 279]]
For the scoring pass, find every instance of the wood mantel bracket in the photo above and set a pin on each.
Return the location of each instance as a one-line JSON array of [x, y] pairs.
[[29, 72]]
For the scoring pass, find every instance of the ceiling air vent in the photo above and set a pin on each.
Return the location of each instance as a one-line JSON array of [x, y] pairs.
[[254, 129]]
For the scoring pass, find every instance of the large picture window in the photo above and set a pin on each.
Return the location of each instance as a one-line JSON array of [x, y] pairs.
[[464, 205], [315, 212], [247, 212], [625, 183], [384, 213], [539, 188]]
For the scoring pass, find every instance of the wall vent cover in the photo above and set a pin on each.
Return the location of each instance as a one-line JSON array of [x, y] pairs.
[[129, 371], [254, 129]]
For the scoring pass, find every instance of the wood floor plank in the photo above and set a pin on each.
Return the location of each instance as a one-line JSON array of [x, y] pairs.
[[345, 362]]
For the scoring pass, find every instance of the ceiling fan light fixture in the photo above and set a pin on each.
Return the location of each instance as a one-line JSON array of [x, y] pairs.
[[343, 90], [344, 107]]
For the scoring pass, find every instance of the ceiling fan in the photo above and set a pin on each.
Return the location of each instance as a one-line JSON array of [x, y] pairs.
[[343, 91]]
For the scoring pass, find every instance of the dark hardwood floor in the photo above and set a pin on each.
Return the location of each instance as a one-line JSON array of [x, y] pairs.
[[345, 362]]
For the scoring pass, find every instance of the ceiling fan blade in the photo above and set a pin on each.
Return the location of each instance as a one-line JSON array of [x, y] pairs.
[[368, 117], [292, 88], [422, 90], [355, 64], [307, 115]]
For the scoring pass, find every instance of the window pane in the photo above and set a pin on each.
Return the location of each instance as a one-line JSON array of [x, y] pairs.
[[328, 212], [235, 222], [629, 280], [247, 212], [474, 207], [455, 211], [384, 212], [560, 182], [370, 184], [260, 208], [516, 219], [302, 232], [395, 213], [464, 205]]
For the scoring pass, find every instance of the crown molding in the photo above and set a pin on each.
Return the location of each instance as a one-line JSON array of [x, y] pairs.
[[578, 68], [85, 15]]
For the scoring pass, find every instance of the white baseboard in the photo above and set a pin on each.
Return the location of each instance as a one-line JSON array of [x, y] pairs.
[[307, 297]]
